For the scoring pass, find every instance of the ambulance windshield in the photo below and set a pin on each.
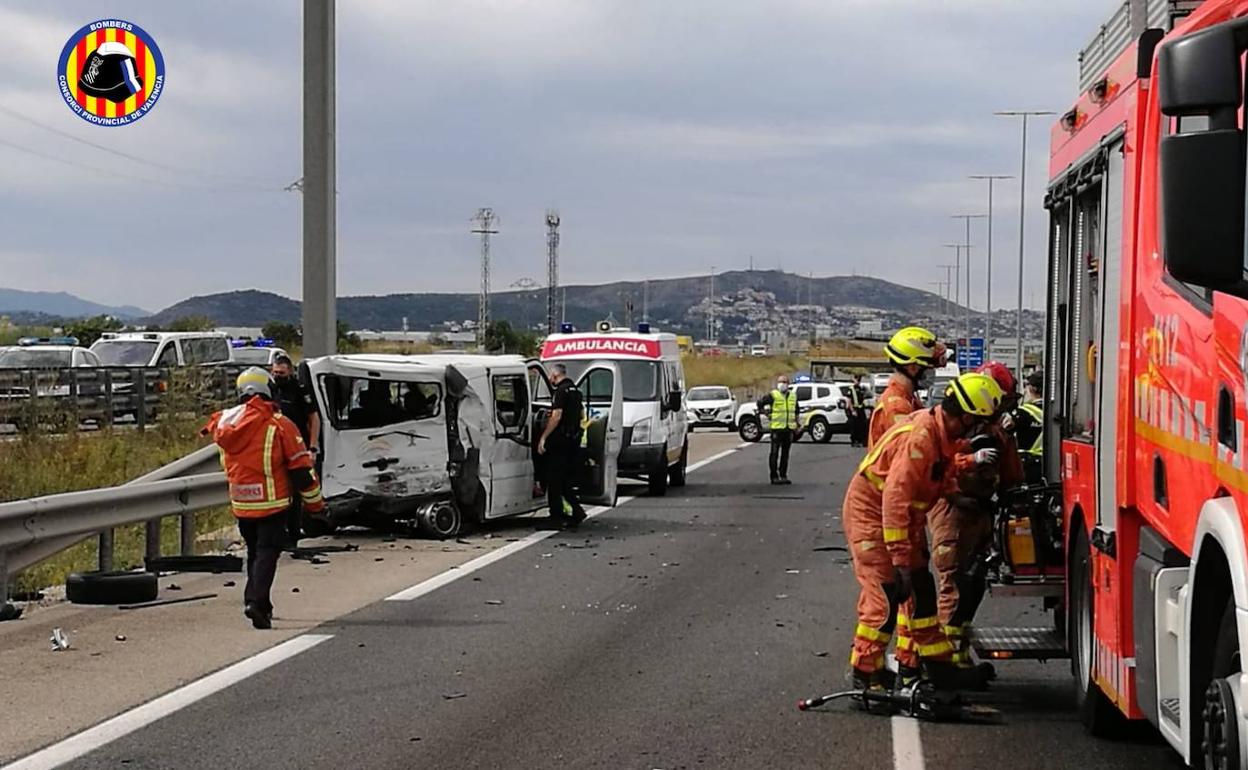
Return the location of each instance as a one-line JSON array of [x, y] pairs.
[[640, 378]]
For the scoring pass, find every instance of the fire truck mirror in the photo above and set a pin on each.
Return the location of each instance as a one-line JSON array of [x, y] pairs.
[[1202, 201], [1201, 74]]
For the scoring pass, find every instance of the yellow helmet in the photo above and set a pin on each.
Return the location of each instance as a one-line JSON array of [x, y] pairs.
[[254, 381], [978, 394], [915, 345]]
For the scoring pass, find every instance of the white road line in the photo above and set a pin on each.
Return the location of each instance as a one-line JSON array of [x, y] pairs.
[[123, 724], [907, 745], [450, 576], [119, 726]]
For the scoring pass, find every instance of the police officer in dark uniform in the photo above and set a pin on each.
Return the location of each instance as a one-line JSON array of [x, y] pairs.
[[560, 446], [293, 396], [857, 413]]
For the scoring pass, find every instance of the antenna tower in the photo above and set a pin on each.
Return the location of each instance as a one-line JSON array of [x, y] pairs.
[[485, 222], [552, 270]]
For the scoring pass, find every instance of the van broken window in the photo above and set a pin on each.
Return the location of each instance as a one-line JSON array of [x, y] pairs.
[[362, 403]]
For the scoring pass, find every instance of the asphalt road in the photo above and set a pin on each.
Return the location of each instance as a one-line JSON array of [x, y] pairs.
[[673, 632]]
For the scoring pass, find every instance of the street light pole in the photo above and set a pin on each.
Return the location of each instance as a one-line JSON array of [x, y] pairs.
[[988, 299], [967, 218], [957, 282], [320, 319], [948, 289], [1022, 216]]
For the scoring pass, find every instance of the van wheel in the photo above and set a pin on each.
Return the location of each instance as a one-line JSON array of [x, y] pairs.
[[1100, 717], [676, 475], [441, 520], [658, 476], [750, 430]]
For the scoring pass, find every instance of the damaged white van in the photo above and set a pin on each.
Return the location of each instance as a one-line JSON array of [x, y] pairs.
[[443, 441]]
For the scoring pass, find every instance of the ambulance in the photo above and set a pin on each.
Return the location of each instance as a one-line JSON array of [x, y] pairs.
[[656, 428]]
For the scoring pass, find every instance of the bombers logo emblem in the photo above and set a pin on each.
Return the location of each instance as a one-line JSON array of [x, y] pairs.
[[111, 73]]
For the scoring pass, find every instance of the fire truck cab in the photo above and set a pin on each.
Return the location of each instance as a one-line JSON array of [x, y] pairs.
[[1147, 375]]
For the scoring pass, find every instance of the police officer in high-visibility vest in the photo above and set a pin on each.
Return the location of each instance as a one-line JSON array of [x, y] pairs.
[[783, 424], [1028, 424]]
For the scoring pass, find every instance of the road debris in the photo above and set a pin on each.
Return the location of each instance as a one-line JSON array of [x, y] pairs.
[[119, 638], [843, 549], [229, 584], [295, 590], [494, 602], [782, 596], [60, 641], [792, 572], [454, 695], [173, 587]]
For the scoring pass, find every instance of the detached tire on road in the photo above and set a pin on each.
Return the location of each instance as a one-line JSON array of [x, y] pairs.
[[111, 587]]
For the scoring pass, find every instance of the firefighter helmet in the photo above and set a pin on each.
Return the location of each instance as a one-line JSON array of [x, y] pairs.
[[915, 345], [109, 73], [977, 394], [1002, 374], [254, 381]]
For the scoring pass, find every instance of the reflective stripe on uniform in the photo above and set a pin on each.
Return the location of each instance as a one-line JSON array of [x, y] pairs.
[[270, 483], [896, 534], [905, 643], [264, 506], [878, 449], [935, 649], [867, 632], [874, 662], [920, 623], [903, 620]]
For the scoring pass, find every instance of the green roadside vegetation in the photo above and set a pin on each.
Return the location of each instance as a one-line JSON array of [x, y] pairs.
[[42, 463], [748, 375]]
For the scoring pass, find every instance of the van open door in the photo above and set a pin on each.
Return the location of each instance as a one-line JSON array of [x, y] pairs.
[[603, 395]]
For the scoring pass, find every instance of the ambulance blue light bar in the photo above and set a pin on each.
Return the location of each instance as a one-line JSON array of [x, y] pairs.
[[643, 328]]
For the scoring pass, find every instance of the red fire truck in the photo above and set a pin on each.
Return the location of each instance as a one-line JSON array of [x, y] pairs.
[[1147, 375]]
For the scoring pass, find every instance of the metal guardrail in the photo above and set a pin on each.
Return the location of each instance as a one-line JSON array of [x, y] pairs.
[[68, 397], [33, 529]]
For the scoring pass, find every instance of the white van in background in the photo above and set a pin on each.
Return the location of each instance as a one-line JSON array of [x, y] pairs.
[[162, 349], [656, 443]]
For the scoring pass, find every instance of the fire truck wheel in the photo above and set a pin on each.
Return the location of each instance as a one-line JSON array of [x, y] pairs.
[[1099, 715], [1220, 714]]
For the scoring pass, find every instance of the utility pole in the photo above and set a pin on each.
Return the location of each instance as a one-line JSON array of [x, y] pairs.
[[957, 285], [485, 221], [969, 312], [552, 267], [1022, 217], [988, 297], [563, 313], [710, 314], [948, 289], [320, 213]]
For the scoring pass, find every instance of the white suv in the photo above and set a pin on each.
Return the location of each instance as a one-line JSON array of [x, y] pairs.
[[711, 406], [163, 349], [822, 406]]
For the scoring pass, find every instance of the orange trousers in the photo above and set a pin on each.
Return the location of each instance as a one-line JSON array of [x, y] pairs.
[[959, 534], [880, 610]]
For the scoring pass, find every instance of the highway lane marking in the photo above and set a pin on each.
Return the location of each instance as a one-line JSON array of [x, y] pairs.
[[106, 732], [467, 568], [119, 726], [907, 744]]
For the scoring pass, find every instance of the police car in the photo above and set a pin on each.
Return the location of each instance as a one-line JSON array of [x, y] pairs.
[[260, 352], [47, 353], [822, 406]]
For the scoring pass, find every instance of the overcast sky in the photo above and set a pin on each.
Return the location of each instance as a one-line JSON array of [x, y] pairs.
[[824, 136]]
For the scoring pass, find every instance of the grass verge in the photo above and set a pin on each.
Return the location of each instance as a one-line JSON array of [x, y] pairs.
[[745, 376], [37, 464]]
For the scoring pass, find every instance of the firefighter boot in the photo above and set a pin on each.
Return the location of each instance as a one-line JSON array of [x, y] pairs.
[[876, 683]]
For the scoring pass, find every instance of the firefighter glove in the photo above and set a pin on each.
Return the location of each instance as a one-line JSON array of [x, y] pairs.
[[986, 456]]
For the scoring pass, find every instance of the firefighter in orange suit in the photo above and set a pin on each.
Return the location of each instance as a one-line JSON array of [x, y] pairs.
[[266, 462], [961, 523], [885, 514], [913, 351]]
